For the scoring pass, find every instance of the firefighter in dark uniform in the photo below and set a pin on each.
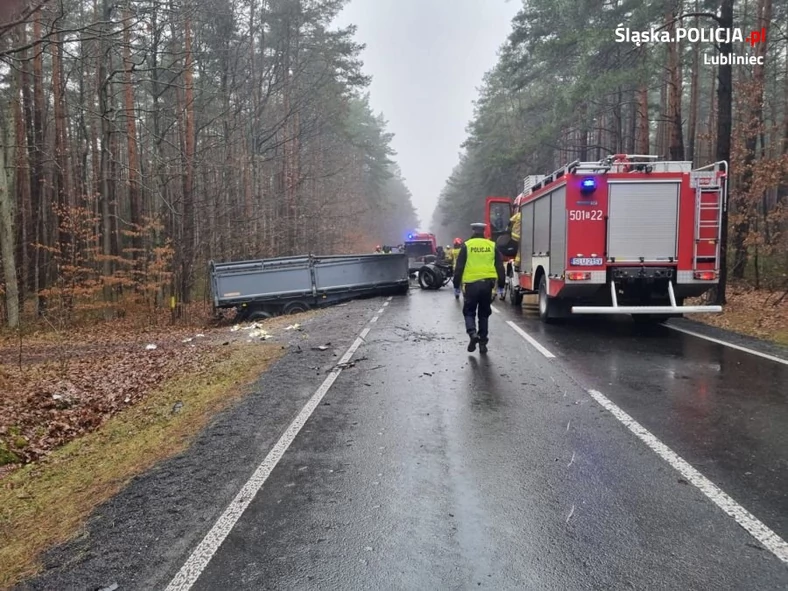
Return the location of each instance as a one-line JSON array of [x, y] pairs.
[[479, 267]]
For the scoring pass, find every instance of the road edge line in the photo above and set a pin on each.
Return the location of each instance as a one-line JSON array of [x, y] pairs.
[[531, 340], [756, 528], [727, 344], [201, 556]]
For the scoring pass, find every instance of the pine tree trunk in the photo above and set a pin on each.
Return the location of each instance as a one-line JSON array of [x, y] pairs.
[[22, 182], [37, 183], [187, 246], [105, 165], [643, 140], [692, 125], [135, 204], [724, 128], [745, 203], [675, 123], [7, 232]]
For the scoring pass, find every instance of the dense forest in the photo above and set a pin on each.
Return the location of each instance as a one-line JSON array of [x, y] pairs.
[[564, 88], [140, 139]]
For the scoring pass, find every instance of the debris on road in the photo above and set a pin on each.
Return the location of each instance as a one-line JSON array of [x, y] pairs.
[[261, 334], [151, 347]]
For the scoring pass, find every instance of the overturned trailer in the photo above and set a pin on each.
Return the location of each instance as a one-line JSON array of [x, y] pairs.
[[288, 285]]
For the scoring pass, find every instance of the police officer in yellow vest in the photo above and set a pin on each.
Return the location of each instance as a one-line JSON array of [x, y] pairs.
[[478, 268]]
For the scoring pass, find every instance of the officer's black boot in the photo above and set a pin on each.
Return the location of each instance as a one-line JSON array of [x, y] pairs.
[[483, 346], [472, 344]]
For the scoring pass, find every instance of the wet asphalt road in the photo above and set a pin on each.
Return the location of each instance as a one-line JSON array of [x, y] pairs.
[[426, 467], [430, 468]]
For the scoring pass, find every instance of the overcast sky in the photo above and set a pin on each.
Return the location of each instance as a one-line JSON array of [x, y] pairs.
[[426, 59]]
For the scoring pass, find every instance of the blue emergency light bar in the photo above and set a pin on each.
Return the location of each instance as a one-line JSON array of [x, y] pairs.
[[588, 185]]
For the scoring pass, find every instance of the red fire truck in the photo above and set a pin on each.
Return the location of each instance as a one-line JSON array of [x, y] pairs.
[[421, 248], [629, 234]]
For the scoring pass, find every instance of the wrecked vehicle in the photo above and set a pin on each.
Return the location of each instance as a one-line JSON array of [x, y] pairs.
[[264, 288]]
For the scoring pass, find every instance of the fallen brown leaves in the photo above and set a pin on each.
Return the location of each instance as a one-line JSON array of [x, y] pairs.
[[47, 502], [752, 313], [57, 387]]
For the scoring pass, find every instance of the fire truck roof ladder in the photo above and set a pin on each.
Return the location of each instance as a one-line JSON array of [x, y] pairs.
[[710, 184], [555, 175]]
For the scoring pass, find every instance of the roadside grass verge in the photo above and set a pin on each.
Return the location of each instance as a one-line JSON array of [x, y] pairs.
[[753, 313], [46, 503]]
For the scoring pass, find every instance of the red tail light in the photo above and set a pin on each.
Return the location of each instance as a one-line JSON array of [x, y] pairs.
[[578, 276], [706, 275]]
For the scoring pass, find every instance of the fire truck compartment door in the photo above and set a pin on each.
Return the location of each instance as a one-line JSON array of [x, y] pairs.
[[643, 220], [527, 237]]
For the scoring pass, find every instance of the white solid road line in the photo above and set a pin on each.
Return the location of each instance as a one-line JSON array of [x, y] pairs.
[[202, 555], [727, 344], [530, 339], [756, 528]]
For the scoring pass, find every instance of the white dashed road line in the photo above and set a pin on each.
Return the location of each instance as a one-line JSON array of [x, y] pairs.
[[205, 551], [494, 309], [727, 344], [756, 528], [530, 339]]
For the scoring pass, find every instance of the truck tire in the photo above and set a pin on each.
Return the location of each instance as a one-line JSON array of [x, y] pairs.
[[516, 297], [295, 308], [258, 315], [546, 303], [430, 278]]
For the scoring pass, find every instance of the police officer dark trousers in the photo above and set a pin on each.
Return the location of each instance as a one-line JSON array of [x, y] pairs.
[[479, 267]]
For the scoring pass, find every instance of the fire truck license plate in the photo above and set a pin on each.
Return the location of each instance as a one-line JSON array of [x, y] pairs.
[[586, 262]]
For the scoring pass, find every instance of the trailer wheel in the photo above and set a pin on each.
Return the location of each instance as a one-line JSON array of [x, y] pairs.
[[546, 305], [259, 315], [296, 308]]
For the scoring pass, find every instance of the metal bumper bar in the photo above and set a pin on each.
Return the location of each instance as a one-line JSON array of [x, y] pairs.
[[672, 309]]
